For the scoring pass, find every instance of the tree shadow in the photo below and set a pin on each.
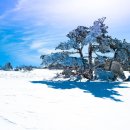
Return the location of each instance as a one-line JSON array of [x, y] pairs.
[[97, 89]]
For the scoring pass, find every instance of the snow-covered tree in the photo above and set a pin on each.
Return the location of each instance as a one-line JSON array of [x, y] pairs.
[[7, 67], [78, 38], [71, 53], [76, 43], [98, 30], [74, 46], [121, 52]]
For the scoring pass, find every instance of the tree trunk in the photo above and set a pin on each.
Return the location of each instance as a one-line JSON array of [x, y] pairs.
[[90, 49], [81, 55]]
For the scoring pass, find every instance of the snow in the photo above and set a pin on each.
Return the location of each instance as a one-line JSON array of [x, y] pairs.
[[33, 101]]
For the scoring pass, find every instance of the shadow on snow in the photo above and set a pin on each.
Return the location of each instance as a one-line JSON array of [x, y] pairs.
[[97, 89]]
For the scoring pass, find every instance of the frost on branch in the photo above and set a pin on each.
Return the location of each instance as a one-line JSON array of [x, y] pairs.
[[103, 44], [62, 59], [122, 52], [53, 58], [76, 39], [97, 30], [70, 44]]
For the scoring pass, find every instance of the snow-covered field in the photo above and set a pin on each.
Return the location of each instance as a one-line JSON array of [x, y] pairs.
[[32, 101]]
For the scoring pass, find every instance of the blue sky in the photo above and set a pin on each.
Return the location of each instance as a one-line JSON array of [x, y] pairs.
[[29, 28]]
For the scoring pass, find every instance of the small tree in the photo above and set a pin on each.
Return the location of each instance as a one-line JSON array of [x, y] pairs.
[[7, 67]]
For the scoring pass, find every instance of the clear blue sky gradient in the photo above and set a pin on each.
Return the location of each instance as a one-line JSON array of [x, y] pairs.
[[29, 28]]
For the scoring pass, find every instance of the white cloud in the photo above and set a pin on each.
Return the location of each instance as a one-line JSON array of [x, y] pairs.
[[37, 44], [46, 51], [63, 14], [67, 14], [73, 11]]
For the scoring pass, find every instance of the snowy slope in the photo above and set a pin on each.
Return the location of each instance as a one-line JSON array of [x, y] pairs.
[[32, 101]]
